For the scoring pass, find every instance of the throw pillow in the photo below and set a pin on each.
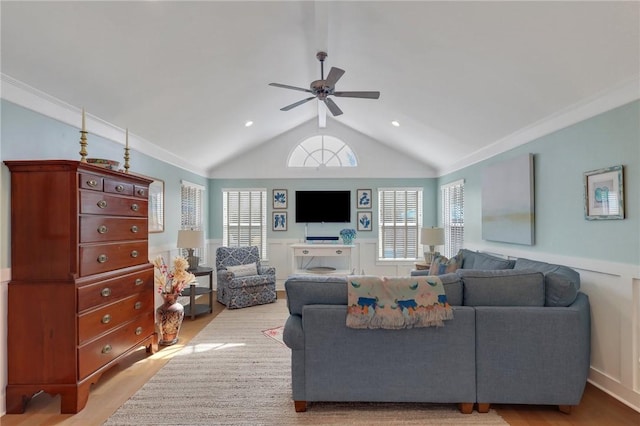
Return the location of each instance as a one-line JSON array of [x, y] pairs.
[[243, 270], [442, 265]]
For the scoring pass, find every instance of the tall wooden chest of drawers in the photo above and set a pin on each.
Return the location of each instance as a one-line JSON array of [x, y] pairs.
[[81, 295]]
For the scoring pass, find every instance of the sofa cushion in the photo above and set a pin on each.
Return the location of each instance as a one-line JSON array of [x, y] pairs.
[[477, 260], [452, 288], [314, 290], [442, 265], [506, 287], [561, 282]]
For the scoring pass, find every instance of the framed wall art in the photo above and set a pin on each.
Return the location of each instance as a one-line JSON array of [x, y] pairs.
[[279, 198], [604, 193], [508, 201], [156, 206], [279, 222], [364, 198], [365, 221]]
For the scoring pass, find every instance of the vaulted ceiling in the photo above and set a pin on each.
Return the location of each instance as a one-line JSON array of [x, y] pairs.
[[460, 77]]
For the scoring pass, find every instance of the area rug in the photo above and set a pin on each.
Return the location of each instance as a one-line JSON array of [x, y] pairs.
[[275, 334], [230, 374]]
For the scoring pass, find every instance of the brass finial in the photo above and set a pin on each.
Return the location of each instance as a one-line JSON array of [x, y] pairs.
[[126, 152], [83, 140]]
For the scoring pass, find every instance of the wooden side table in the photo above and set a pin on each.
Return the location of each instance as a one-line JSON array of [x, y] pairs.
[[420, 266], [192, 309]]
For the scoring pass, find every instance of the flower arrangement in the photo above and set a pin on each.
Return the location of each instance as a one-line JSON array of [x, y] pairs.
[[172, 282], [348, 234]]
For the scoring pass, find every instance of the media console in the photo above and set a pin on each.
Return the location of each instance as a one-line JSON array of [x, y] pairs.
[[321, 258]]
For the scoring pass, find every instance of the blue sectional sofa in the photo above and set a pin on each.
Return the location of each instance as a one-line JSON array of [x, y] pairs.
[[520, 335]]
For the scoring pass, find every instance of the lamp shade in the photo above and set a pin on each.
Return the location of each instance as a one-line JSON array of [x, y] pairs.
[[432, 236], [190, 239]]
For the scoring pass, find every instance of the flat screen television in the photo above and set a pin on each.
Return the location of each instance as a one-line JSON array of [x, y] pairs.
[[323, 206]]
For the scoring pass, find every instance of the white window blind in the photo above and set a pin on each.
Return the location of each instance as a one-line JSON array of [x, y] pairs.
[[245, 218], [192, 213], [452, 200], [399, 222]]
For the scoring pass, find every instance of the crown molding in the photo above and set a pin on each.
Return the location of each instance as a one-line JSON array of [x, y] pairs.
[[38, 101], [622, 94]]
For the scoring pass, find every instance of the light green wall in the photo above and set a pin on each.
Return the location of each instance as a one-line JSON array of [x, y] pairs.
[[560, 159], [27, 135], [296, 230]]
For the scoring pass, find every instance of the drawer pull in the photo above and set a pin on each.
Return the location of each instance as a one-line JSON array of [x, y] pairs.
[[138, 331], [106, 319], [338, 251], [102, 204], [134, 229], [134, 207], [102, 258], [119, 188], [134, 253], [102, 229], [141, 192], [92, 183], [106, 349], [139, 281], [137, 305], [106, 292], [305, 251]]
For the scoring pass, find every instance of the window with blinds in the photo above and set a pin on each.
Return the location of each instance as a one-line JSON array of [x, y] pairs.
[[245, 218], [452, 201], [192, 213], [399, 222]]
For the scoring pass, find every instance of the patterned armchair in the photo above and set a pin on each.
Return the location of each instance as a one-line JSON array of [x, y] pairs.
[[242, 281]]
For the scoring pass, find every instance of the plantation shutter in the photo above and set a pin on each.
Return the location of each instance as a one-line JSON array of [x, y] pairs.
[[452, 200], [400, 220], [192, 212], [245, 219]]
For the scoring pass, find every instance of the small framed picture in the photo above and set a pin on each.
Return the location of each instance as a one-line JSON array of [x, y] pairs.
[[365, 221], [364, 198], [604, 194], [279, 221], [279, 198]]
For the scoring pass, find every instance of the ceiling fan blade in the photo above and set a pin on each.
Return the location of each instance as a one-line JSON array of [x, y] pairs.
[[286, 86], [332, 107], [295, 104], [334, 76], [366, 95]]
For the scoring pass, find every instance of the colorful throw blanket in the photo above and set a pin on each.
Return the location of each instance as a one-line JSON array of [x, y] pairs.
[[396, 302]]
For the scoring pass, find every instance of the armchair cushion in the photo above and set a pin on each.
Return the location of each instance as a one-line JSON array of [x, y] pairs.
[[243, 270]]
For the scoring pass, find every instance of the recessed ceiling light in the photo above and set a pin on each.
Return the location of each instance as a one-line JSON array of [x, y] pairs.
[[248, 123], [395, 123]]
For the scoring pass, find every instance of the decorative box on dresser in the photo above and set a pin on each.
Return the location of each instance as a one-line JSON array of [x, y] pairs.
[[81, 295]]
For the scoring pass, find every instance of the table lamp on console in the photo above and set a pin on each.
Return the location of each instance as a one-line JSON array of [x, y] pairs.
[[190, 240], [431, 237]]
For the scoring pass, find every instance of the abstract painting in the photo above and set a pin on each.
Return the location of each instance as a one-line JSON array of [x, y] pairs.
[[507, 201]]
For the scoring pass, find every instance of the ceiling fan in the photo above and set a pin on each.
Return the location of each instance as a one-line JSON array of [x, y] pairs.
[[322, 89]]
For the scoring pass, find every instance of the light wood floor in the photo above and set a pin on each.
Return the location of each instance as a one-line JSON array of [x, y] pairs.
[[123, 380]]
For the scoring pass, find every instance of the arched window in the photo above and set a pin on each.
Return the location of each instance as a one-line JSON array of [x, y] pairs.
[[322, 150]]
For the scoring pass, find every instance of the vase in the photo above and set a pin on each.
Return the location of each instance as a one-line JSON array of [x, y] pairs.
[[347, 240], [169, 317]]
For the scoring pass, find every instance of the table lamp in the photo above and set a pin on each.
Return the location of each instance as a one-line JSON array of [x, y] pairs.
[[190, 240], [431, 237]]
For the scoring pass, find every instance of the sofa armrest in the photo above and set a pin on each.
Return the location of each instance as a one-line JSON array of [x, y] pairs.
[[548, 348]]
